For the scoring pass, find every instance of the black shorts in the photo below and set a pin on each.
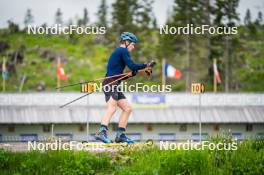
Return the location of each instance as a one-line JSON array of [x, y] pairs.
[[112, 90]]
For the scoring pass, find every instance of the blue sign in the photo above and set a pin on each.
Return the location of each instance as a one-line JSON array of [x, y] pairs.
[[148, 98]]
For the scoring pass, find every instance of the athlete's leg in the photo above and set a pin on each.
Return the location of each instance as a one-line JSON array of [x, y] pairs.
[[111, 108], [126, 111], [102, 134]]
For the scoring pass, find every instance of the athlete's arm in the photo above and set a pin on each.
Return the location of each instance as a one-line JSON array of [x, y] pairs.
[[130, 63]]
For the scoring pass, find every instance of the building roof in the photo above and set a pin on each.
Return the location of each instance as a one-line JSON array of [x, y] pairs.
[[177, 108]]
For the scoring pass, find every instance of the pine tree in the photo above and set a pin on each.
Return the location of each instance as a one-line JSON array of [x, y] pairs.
[[222, 45], [251, 29], [259, 19], [208, 19], [58, 17], [12, 27], [124, 14], [102, 14], [189, 12], [231, 12], [85, 19], [144, 14], [247, 19], [154, 22], [29, 19], [230, 43]]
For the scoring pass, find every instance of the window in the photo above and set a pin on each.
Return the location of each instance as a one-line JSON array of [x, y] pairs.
[[167, 136], [249, 127], [196, 136], [216, 127], [64, 136], [237, 136], [11, 128], [134, 136], [183, 127], [82, 128], [46, 128], [149, 127], [0, 137], [28, 137]]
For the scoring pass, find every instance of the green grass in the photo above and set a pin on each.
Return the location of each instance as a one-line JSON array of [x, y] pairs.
[[247, 159], [84, 60]]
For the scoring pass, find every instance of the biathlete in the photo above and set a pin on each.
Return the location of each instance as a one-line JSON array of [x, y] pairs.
[[119, 59]]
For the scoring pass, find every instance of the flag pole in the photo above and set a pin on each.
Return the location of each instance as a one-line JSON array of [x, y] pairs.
[[3, 85], [3, 67], [58, 78], [163, 72], [22, 83], [215, 81]]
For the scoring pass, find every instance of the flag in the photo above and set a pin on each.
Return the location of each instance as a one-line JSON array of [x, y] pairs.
[[4, 71], [60, 72], [216, 73], [172, 72]]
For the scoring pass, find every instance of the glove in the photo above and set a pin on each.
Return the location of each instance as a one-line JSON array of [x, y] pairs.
[[134, 73], [150, 63]]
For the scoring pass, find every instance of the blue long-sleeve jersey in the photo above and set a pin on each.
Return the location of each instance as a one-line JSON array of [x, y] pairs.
[[118, 60]]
